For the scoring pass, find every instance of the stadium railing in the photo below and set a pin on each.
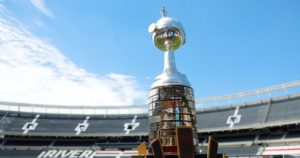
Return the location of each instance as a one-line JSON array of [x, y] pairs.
[[217, 102]]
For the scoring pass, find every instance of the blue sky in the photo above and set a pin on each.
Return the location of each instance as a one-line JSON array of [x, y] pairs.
[[231, 46]]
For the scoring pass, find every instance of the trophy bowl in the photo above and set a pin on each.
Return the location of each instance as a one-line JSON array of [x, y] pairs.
[[167, 34]]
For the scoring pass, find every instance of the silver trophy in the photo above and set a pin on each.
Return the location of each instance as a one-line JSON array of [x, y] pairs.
[[171, 100]]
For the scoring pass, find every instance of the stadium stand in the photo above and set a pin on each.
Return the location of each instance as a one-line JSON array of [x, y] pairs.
[[242, 129]]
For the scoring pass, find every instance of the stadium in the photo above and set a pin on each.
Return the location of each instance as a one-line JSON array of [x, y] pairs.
[[51, 107], [265, 122]]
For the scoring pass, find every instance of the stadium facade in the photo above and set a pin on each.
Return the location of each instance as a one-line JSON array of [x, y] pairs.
[[265, 126]]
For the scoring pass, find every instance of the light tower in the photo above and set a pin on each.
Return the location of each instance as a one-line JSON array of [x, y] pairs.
[[171, 100]]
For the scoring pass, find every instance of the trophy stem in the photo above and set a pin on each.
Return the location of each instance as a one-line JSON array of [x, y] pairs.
[[169, 62]]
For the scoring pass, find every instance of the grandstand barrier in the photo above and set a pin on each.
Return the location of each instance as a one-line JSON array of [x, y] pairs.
[[258, 95]]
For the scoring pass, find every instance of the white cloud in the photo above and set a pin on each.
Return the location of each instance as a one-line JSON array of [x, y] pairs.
[[34, 71], [40, 5]]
